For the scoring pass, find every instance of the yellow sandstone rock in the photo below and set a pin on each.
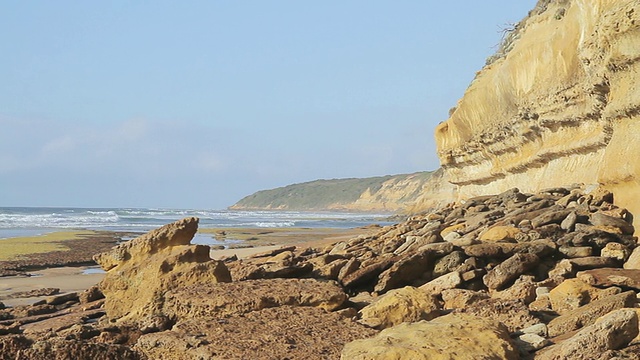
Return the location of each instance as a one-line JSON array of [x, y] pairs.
[[450, 337], [573, 293], [141, 271], [500, 233], [407, 304]]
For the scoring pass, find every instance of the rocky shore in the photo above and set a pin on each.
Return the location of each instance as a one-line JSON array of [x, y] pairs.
[[551, 275], [76, 252]]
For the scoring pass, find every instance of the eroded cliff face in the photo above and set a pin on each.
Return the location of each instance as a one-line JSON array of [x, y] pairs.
[[405, 194], [560, 106]]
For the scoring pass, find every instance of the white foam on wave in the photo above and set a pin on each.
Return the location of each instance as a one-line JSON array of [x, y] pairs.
[[275, 224], [59, 220], [146, 219]]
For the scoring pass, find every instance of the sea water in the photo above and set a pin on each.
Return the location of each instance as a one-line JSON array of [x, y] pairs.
[[30, 221]]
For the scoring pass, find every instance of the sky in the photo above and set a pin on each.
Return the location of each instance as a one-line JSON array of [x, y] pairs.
[[196, 104]]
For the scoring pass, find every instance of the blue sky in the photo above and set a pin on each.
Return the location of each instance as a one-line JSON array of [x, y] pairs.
[[195, 104]]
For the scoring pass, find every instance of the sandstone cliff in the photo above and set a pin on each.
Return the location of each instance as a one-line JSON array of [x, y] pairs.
[[386, 193], [558, 104]]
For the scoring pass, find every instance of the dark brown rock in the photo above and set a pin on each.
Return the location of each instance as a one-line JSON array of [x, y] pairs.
[[367, 275], [61, 299], [449, 263], [90, 295], [404, 272], [594, 262], [550, 217], [494, 251], [351, 266], [33, 293], [509, 270], [600, 219], [438, 249], [606, 277]]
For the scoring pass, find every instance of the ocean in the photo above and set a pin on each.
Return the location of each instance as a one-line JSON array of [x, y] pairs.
[[30, 221]]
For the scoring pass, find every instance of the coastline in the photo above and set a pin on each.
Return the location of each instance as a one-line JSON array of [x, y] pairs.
[[75, 279]]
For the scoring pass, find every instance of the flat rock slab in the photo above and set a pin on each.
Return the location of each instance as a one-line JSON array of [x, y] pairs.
[[241, 297], [57, 323], [454, 336], [606, 277], [275, 333], [513, 314]]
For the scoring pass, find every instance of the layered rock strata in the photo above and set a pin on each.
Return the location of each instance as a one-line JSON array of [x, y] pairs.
[[558, 105], [550, 275]]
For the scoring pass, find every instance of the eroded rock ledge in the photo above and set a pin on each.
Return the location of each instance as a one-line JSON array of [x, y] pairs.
[[551, 275], [560, 106]]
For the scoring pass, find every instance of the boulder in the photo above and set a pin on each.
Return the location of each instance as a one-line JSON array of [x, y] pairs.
[[587, 314], [407, 304], [633, 262], [610, 223], [571, 294], [453, 228], [509, 270], [531, 342], [449, 337], [142, 270], [178, 233], [448, 281], [490, 250], [513, 314], [616, 250], [609, 332], [448, 263], [500, 233], [550, 217], [461, 298], [523, 289], [404, 272], [605, 277], [367, 275], [576, 251]]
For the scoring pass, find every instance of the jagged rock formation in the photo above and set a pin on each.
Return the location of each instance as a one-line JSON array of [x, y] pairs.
[[386, 193], [559, 104], [551, 275], [141, 271]]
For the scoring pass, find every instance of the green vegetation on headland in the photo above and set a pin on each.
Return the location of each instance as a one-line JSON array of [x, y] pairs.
[[356, 194]]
